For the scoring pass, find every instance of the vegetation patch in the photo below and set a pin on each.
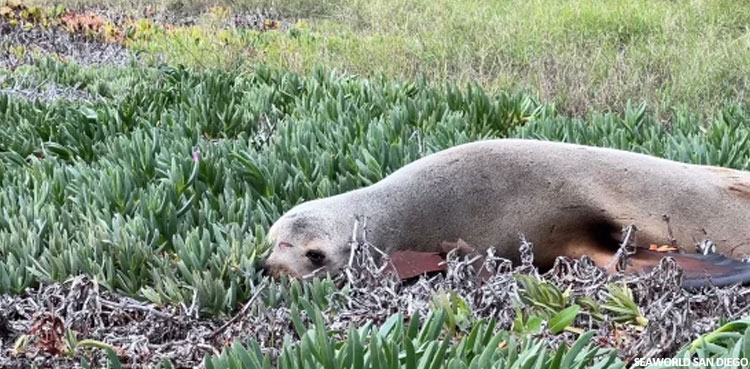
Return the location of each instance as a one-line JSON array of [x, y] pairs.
[[144, 156], [583, 55], [573, 313]]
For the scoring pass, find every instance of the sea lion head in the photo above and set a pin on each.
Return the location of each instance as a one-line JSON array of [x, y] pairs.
[[307, 241]]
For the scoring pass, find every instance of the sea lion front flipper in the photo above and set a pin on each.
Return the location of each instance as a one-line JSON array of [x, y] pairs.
[[698, 269]]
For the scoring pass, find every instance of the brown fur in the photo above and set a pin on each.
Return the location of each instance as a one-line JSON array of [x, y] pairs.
[[566, 199]]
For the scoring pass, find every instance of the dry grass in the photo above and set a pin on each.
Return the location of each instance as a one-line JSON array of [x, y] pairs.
[[582, 54], [144, 334]]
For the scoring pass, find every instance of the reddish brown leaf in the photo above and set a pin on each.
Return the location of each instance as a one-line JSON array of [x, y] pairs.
[[409, 264]]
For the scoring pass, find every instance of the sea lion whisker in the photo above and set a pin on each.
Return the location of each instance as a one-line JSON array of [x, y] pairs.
[[313, 273], [623, 249]]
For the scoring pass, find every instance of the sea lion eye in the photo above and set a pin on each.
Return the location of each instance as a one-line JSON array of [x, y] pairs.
[[316, 257], [285, 245]]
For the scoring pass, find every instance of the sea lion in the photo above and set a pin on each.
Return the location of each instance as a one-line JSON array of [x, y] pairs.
[[567, 199]]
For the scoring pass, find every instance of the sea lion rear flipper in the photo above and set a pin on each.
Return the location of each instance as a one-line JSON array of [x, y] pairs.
[[698, 269]]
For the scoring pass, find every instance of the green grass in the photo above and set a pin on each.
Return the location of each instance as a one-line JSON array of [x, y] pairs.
[[581, 54]]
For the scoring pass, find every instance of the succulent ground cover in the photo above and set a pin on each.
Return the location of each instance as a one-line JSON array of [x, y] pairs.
[[135, 193], [538, 314]]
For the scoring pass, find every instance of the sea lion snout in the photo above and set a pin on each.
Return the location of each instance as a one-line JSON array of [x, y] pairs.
[[275, 270], [281, 261]]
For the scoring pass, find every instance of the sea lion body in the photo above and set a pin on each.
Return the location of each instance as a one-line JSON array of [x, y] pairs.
[[566, 199]]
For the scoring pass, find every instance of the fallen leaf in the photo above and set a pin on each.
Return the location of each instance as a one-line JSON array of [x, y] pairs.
[[409, 264]]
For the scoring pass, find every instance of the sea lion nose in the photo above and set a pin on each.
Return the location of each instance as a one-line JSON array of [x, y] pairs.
[[267, 268]]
